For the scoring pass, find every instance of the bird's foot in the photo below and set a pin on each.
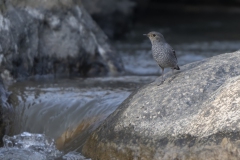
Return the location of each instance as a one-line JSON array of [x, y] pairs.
[[161, 82]]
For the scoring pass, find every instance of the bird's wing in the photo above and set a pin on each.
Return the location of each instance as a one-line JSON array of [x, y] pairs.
[[174, 53]]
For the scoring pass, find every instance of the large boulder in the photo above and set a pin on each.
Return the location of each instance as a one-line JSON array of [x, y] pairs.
[[43, 37], [193, 114]]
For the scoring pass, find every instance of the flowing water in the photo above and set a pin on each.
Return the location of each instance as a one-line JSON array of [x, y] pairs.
[[55, 116]]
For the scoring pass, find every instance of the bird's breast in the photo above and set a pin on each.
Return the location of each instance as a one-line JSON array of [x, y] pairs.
[[162, 56]]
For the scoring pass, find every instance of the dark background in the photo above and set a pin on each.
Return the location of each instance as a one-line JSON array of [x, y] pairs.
[[171, 13], [196, 29]]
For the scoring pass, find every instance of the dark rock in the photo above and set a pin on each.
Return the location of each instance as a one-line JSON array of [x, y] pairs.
[[115, 17], [6, 111], [194, 114], [46, 37]]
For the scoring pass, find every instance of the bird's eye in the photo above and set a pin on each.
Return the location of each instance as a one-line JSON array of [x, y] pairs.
[[154, 35]]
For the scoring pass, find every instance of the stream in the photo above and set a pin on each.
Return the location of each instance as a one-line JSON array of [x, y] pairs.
[[54, 117]]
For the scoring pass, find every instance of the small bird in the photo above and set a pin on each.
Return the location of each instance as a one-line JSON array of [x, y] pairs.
[[162, 52]]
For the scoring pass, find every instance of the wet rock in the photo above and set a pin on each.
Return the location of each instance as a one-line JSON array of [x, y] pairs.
[[48, 37], [115, 17], [5, 110], [194, 114]]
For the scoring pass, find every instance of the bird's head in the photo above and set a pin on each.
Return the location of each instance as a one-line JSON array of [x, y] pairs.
[[155, 37]]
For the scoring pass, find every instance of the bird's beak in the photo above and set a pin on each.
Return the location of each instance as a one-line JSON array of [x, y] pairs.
[[145, 34]]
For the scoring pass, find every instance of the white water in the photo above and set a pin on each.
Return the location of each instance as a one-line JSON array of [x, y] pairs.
[[27, 146]]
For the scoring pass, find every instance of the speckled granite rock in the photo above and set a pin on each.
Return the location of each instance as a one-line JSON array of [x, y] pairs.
[[194, 114], [43, 37]]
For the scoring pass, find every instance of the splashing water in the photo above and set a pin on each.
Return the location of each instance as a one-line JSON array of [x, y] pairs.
[[27, 146]]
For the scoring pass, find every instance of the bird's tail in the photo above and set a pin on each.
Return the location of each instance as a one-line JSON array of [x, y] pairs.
[[177, 67]]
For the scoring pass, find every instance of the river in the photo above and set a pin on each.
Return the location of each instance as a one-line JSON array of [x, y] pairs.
[[55, 116]]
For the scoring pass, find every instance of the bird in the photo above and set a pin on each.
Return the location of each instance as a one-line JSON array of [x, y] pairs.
[[162, 52]]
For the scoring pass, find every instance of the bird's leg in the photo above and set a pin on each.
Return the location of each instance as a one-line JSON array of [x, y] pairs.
[[162, 73], [172, 70]]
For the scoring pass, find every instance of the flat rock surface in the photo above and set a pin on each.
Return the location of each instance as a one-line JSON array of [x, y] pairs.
[[193, 114]]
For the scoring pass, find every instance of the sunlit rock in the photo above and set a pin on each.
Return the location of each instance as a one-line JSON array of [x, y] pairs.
[[53, 37], [80, 132], [193, 114]]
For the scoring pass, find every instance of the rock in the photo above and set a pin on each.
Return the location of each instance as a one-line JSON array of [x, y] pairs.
[[115, 17], [45, 37], [6, 111], [194, 114]]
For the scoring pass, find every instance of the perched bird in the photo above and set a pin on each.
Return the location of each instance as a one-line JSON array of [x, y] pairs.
[[162, 52]]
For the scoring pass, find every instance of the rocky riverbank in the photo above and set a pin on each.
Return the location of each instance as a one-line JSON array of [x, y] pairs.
[[194, 114], [43, 37], [59, 38]]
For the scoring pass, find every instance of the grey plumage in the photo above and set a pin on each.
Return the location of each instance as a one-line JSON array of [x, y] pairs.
[[162, 52]]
